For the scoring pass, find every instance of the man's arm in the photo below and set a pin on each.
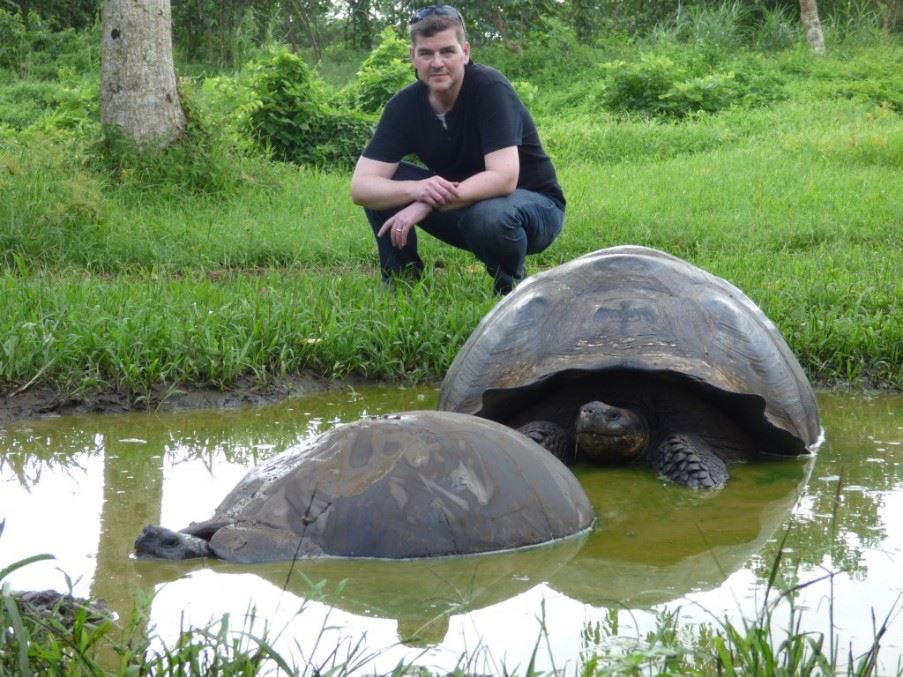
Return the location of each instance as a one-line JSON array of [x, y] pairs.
[[498, 179], [372, 186]]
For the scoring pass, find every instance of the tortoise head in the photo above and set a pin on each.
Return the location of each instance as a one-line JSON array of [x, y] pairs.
[[163, 543], [608, 434]]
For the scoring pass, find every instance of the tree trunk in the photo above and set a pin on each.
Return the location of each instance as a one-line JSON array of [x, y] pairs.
[[498, 21], [138, 94], [812, 26], [309, 28], [889, 23]]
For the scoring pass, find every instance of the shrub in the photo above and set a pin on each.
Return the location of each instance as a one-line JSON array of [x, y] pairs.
[[14, 45], [639, 87], [29, 47], [658, 86], [386, 70], [290, 115]]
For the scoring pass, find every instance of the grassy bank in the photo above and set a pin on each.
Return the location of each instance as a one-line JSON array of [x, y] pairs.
[[141, 279]]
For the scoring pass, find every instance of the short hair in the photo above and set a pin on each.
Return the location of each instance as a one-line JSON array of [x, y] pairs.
[[436, 23]]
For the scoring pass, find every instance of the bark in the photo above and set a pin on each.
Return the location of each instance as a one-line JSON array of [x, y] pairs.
[[812, 26], [889, 23], [499, 22], [309, 28], [138, 94]]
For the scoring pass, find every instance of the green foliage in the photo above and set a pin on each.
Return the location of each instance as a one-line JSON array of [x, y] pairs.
[[640, 86], [29, 47], [552, 56], [385, 70], [52, 203], [724, 25], [202, 161], [15, 41], [658, 86], [67, 103], [290, 115], [776, 30], [48, 634]]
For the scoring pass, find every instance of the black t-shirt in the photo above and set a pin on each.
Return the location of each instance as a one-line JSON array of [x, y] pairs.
[[487, 116]]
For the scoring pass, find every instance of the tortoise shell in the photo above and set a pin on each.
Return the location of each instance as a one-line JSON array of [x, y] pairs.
[[643, 312], [414, 484]]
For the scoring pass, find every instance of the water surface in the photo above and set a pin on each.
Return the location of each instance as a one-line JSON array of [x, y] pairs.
[[82, 487]]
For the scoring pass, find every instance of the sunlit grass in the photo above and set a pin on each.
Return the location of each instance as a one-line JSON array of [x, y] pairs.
[[119, 283]]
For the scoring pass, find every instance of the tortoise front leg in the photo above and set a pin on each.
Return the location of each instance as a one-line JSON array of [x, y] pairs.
[[551, 436], [689, 461]]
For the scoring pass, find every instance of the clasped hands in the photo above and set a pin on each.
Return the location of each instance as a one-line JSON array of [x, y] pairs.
[[429, 194]]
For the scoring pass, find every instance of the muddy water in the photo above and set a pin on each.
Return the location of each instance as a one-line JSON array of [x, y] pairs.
[[81, 488]]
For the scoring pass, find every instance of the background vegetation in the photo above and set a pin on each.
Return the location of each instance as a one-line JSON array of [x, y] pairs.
[[704, 129], [707, 130]]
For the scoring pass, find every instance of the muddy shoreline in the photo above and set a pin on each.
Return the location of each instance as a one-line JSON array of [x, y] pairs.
[[41, 401]]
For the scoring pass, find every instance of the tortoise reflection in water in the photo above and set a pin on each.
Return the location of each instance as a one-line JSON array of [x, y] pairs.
[[416, 484], [630, 353]]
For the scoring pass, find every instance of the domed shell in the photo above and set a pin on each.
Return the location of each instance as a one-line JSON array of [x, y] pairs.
[[636, 308], [415, 484]]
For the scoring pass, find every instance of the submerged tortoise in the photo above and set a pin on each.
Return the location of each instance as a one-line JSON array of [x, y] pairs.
[[416, 484], [630, 353]]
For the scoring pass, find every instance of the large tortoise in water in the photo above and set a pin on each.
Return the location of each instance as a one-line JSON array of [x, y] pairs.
[[415, 484], [631, 353]]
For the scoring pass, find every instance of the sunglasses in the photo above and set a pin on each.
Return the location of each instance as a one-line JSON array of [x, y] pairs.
[[438, 10]]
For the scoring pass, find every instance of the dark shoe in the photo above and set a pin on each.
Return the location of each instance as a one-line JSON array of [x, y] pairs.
[[402, 279], [503, 284]]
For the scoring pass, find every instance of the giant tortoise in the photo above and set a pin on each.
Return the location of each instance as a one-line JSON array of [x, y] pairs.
[[631, 353], [414, 484]]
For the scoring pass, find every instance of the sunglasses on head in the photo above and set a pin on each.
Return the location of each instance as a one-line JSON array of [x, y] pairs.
[[438, 10]]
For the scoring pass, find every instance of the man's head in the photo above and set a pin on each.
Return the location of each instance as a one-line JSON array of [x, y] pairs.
[[428, 21], [439, 51]]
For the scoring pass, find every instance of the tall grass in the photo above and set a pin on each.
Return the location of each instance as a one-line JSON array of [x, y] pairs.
[[70, 637], [210, 264]]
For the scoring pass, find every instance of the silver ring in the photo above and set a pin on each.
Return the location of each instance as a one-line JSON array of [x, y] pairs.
[[397, 227]]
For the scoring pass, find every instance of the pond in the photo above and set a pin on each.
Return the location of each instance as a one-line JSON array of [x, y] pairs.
[[82, 487]]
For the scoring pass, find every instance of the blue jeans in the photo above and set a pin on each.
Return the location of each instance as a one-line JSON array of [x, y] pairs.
[[500, 231]]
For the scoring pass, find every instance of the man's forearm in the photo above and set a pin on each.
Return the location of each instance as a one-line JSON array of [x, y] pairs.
[[482, 186], [376, 192]]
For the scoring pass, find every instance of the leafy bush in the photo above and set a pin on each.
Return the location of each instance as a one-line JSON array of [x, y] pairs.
[[290, 115], [15, 40], [639, 87], [658, 86], [386, 70], [29, 47]]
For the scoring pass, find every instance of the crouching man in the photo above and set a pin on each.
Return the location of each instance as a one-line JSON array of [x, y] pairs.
[[488, 186]]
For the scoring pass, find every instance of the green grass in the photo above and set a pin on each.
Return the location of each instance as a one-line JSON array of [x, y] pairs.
[[72, 638], [210, 264]]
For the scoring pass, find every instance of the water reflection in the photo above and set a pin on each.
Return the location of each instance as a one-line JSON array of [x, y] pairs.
[[656, 542], [82, 488], [419, 595]]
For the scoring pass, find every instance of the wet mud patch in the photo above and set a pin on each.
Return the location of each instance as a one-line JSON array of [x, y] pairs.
[[42, 401]]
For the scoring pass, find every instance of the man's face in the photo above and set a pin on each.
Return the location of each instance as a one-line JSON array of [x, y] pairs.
[[440, 60]]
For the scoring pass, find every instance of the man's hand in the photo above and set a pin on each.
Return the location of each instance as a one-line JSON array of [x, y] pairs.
[[401, 223], [436, 191]]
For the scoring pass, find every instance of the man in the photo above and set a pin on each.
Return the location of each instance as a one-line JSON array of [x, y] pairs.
[[488, 187]]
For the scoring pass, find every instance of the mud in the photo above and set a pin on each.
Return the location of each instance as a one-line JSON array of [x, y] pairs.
[[40, 401]]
